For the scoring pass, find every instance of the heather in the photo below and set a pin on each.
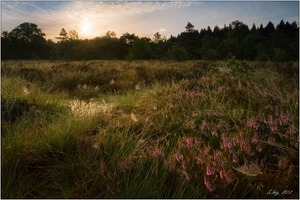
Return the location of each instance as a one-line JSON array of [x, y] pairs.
[[150, 129]]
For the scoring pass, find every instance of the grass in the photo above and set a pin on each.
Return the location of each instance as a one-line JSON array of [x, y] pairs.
[[149, 129]]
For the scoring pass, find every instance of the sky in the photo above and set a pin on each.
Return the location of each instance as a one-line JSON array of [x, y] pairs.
[[144, 18]]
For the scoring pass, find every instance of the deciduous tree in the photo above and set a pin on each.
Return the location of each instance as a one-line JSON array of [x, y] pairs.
[[26, 41], [73, 35]]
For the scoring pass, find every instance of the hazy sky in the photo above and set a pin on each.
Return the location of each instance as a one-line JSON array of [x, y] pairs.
[[144, 18]]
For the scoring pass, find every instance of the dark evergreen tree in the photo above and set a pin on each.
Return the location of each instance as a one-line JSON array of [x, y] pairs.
[[189, 27], [63, 35]]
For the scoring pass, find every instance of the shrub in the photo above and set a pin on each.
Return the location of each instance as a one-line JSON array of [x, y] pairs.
[[177, 53], [232, 67], [279, 55], [200, 69]]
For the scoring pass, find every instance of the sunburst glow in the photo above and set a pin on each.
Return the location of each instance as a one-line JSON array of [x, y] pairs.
[[86, 28]]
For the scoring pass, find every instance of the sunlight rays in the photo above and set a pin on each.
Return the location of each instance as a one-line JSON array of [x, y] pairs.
[[85, 29]]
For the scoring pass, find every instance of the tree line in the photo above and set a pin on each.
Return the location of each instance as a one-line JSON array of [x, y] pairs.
[[280, 43]]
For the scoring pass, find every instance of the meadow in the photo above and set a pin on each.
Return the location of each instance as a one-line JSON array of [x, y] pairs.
[[149, 129]]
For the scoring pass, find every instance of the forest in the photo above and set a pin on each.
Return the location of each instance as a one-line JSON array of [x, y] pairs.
[[263, 43]]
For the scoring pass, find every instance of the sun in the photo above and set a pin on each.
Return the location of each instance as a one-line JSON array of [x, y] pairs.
[[85, 29]]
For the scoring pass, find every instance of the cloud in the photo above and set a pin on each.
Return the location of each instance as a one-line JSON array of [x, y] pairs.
[[143, 17], [102, 16]]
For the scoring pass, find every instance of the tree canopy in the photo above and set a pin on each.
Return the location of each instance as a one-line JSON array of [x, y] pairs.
[[23, 42], [278, 43]]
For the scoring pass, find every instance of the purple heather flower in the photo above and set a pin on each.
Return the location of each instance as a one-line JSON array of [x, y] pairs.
[[214, 163], [156, 153], [247, 148], [193, 127], [199, 160], [251, 123], [170, 165], [271, 141], [203, 125], [226, 143], [206, 150], [225, 176], [178, 157], [250, 152], [232, 151], [272, 123], [189, 142], [208, 184], [259, 147], [214, 133], [209, 171], [273, 128], [222, 174], [255, 139], [217, 155], [187, 177], [235, 159]]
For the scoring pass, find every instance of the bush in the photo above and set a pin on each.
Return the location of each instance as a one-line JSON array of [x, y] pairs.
[[233, 67], [240, 68], [279, 55], [200, 69], [177, 53]]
